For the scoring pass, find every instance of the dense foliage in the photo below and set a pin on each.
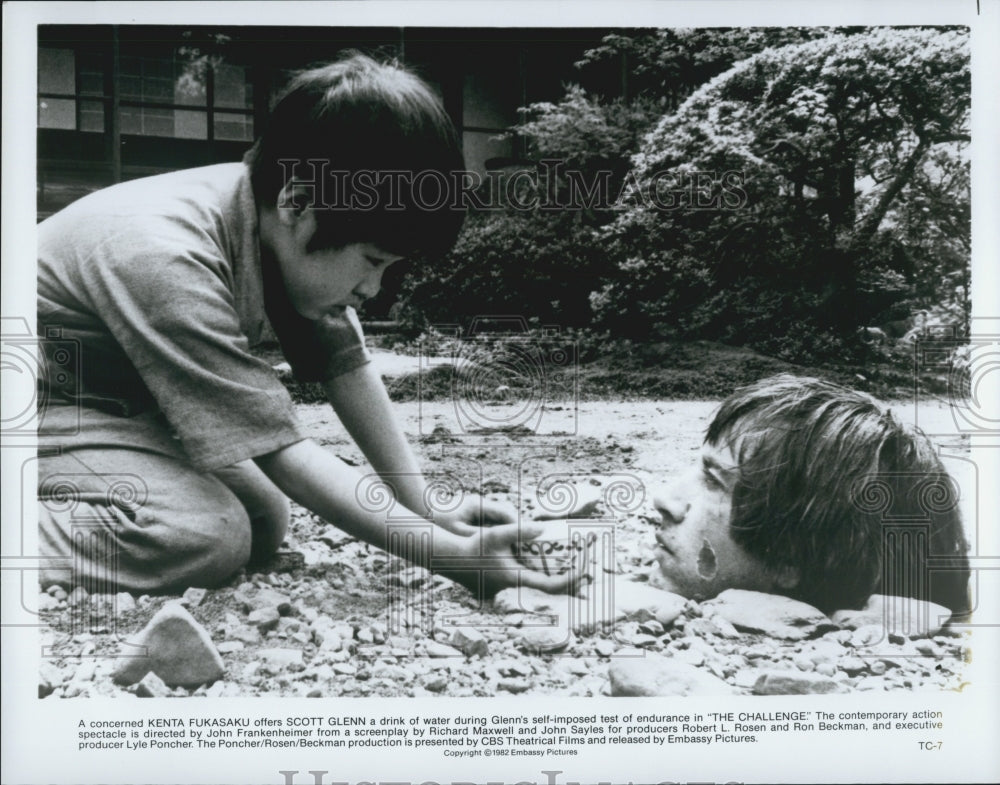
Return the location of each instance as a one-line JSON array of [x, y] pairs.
[[777, 188]]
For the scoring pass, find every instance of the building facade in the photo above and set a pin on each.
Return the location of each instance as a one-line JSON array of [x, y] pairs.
[[117, 102]]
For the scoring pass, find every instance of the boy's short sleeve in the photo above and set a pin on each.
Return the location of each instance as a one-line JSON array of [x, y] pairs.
[[172, 311]]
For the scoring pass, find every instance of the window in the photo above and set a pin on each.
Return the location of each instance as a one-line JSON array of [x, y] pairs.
[[161, 94]]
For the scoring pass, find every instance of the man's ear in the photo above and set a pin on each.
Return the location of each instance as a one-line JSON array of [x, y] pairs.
[[786, 577]]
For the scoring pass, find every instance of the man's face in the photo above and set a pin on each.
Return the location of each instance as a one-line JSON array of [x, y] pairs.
[[697, 556], [321, 282]]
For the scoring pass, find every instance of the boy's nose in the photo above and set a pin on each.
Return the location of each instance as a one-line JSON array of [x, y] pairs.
[[370, 285], [671, 505]]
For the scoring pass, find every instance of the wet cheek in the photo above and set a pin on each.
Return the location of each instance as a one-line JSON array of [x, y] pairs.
[[708, 565]]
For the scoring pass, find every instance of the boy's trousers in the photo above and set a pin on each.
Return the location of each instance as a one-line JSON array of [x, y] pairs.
[[120, 508]]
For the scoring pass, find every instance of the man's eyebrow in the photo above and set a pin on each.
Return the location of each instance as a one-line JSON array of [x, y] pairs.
[[711, 462]]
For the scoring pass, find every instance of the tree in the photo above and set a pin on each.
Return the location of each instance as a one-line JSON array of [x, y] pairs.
[[833, 143]]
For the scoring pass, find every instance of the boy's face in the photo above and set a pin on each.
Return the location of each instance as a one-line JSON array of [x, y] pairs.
[[322, 282], [696, 553]]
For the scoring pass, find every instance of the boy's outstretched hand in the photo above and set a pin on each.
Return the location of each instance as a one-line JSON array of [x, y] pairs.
[[475, 512], [488, 563]]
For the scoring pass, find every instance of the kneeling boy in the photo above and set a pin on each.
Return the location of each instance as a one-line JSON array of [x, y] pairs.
[[168, 459]]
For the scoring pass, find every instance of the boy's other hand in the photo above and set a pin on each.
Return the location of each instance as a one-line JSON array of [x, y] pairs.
[[492, 565], [474, 513]]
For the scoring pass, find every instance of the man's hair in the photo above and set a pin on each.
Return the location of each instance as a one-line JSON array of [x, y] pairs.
[[341, 129], [830, 483]]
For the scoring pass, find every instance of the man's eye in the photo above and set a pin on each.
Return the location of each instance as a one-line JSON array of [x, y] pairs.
[[712, 481]]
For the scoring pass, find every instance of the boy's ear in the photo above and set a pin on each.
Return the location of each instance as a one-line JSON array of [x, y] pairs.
[[786, 577], [293, 203]]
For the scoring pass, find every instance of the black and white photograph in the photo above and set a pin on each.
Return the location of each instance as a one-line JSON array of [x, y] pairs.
[[422, 392]]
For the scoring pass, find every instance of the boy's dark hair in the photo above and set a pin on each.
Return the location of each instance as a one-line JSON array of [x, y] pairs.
[[832, 484], [341, 129]]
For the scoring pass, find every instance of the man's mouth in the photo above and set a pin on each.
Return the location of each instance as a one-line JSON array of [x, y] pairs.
[[662, 545]]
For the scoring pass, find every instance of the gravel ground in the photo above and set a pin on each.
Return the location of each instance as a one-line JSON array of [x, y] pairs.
[[334, 616]]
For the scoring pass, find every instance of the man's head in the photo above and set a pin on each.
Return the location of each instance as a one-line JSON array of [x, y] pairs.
[[812, 490], [355, 154]]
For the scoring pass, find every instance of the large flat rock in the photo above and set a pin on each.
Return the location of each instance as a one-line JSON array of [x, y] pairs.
[[175, 647], [903, 616], [770, 614]]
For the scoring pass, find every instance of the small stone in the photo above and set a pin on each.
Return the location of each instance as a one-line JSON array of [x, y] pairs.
[[267, 597], [280, 658], [795, 683], [49, 677], [543, 640], [513, 668], [78, 596], [394, 673], [241, 632], [327, 640], [691, 657], [46, 602], [527, 600], [575, 667], [643, 641], [514, 686], [470, 642], [770, 614], [928, 648], [852, 666], [152, 686], [651, 627], [193, 597], [441, 650], [654, 676], [410, 578], [124, 602], [704, 628], [868, 635], [746, 677], [334, 537], [605, 648], [365, 635], [877, 667], [826, 669], [177, 648], [436, 684], [265, 619], [228, 647], [724, 628], [344, 669]]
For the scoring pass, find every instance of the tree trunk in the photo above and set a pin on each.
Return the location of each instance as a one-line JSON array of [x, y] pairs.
[[871, 222]]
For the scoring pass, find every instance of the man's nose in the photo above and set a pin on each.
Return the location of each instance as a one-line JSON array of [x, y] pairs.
[[671, 505]]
